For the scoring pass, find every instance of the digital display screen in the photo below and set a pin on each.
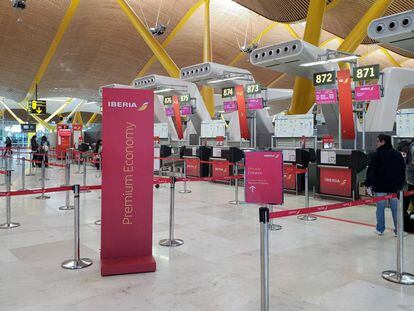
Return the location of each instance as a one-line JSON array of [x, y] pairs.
[[28, 128]]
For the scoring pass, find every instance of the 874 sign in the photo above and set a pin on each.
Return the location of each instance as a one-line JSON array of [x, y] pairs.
[[227, 92]]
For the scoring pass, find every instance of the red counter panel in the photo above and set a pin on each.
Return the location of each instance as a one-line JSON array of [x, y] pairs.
[[289, 178], [220, 169], [336, 181], [193, 167]]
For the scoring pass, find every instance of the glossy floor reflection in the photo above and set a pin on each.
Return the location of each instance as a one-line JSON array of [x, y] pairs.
[[323, 265]]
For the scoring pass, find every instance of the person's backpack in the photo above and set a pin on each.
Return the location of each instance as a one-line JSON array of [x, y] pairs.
[[405, 146], [44, 147]]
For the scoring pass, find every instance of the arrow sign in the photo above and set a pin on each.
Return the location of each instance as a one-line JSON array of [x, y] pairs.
[[38, 110], [264, 177]]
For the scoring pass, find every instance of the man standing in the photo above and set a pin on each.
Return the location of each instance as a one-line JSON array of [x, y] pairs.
[[385, 175]]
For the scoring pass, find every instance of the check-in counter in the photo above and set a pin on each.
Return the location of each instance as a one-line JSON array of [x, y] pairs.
[[339, 172], [194, 158], [296, 158], [222, 159], [161, 153]]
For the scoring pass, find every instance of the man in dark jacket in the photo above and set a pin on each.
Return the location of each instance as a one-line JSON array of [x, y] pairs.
[[386, 175]]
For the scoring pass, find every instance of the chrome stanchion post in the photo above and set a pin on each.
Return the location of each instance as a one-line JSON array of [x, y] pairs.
[[307, 217], [10, 159], [264, 257], [236, 185], [172, 242], [44, 161], [67, 205], [185, 190], [6, 168], [99, 174], [63, 157], [84, 175], [43, 179], [9, 224], [31, 165], [79, 164], [18, 162], [76, 262], [272, 225], [399, 276], [23, 174]]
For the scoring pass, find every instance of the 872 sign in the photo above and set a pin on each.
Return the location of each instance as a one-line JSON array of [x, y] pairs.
[[324, 78]]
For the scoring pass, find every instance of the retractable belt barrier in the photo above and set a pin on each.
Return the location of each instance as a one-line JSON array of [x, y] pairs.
[[46, 190], [34, 161], [187, 160], [395, 276], [296, 171], [156, 180], [329, 207]]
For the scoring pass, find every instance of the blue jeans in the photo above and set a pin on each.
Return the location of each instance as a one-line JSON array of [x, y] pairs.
[[381, 205]]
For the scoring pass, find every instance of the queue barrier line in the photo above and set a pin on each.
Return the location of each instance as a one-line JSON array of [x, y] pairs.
[[36, 161], [156, 180], [296, 171], [180, 179], [47, 190], [192, 159], [398, 275], [329, 207]]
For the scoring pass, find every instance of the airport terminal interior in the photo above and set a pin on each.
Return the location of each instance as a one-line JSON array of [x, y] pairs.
[[211, 155]]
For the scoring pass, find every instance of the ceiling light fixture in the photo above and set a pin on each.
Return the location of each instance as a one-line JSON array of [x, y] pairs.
[[225, 79], [332, 57], [163, 91]]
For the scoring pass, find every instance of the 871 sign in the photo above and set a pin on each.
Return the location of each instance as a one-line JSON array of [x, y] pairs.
[[371, 72]]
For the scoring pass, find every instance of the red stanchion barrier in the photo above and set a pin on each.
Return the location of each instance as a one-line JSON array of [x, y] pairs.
[[186, 160], [47, 190], [409, 193], [55, 164], [90, 188], [157, 180], [209, 178], [324, 208], [295, 171]]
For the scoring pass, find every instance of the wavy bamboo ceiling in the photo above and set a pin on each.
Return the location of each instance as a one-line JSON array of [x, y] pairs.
[[101, 46], [341, 15], [283, 11]]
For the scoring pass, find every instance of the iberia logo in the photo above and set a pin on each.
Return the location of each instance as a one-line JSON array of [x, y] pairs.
[[143, 107], [114, 104], [344, 182]]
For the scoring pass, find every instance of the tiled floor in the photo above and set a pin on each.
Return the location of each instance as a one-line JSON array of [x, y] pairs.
[[322, 265]]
